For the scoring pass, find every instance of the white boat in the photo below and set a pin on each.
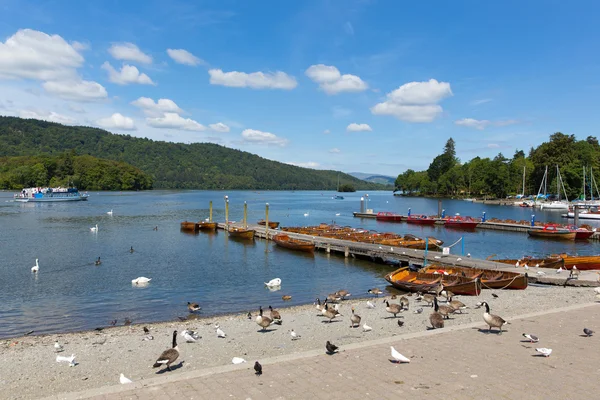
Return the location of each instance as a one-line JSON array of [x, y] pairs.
[[48, 194], [584, 214], [554, 205]]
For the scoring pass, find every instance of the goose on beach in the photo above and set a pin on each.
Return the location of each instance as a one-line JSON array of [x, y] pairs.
[[354, 319], [398, 358], [274, 282], [444, 310], [168, 356], [263, 321], [140, 280], [94, 228], [375, 291], [367, 328], [193, 307], [342, 294], [393, 308], [436, 319], [493, 321], [427, 298], [124, 380], [457, 305], [36, 268], [330, 313], [275, 316]]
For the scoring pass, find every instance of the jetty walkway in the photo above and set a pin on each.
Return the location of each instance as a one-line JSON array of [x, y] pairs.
[[459, 362]]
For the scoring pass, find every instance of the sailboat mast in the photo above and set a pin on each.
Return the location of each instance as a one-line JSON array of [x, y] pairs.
[[584, 184], [546, 182], [523, 193], [557, 182]]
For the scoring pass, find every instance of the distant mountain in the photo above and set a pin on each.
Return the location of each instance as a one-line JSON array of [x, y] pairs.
[[374, 178]]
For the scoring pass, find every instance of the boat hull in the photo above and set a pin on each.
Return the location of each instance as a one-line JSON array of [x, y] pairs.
[[189, 226], [206, 226], [241, 233], [272, 224], [294, 244], [461, 225], [388, 217], [550, 262], [583, 263], [583, 215], [420, 220], [489, 279], [554, 235], [410, 281]]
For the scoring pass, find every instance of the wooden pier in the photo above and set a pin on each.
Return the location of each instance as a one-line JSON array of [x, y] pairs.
[[400, 255]]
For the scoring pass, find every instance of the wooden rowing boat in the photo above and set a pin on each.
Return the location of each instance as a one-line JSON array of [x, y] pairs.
[[489, 279], [207, 226], [241, 233], [407, 280], [552, 231], [188, 226], [272, 224], [582, 262], [548, 262], [284, 240]]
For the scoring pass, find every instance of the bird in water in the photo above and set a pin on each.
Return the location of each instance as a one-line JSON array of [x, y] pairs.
[[98, 261], [131, 250], [257, 368], [36, 268], [532, 338], [193, 307], [588, 332], [127, 322], [330, 347], [113, 322]]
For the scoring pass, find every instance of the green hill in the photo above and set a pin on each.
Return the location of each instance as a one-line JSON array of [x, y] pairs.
[[170, 165]]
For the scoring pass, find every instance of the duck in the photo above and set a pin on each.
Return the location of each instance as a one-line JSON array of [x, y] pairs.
[[274, 282], [375, 291], [330, 313], [444, 309], [275, 316], [168, 356], [94, 228], [457, 305], [436, 319], [124, 380], [286, 297], [141, 280], [398, 358], [36, 268], [354, 319], [193, 307], [131, 250], [393, 308], [190, 336], [342, 294], [263, 321], [110, 212], [493, 321], [98, 261]]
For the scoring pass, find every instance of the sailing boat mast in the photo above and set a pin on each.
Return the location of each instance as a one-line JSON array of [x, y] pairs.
[[584, 184], [523, 192]]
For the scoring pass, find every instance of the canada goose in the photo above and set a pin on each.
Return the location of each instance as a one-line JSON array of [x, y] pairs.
[[58, 347], [342, 294], [354, 319], [110, 212], [275, 316], [124, 380], [428, 298], [294, 335], [168, 356], [257, 368], [544, 351], [319, 306], [404, 302], [262, 321], [393, 308], [333, 297], [436, 319], [94, 228], [588, 332], [131, 250], [330, 347], [330, 313], [190, 336], [493, 321], [193, 307], [532, 338], [444, 310], [35, 269], [375, 291], [286, 297], [457, 305], [399, 358], [98, 261]]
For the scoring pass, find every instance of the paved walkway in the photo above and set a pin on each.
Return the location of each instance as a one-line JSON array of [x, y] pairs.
[[464, 362]]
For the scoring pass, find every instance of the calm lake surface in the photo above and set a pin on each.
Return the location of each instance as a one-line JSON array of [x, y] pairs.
[[221, 274]]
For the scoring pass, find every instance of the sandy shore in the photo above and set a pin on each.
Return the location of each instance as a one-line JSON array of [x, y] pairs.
[[29, 369]]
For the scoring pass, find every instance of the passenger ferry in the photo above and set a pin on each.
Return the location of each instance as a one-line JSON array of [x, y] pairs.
[[47, 194]]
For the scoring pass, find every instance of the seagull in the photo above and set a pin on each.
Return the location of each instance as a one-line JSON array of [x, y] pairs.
[[337, 214], [526, 267], [58, 347], [110, 213], [517, 264], [588, 332], [94, 228], [237, 360], [544, 351], [541, 273], [306, 214], [459, 259], [122, 378], [220, 332], [532, 338], [190, 336], [148, 337], [70, 360], [367, 328], [257, 368], [558, 271], [294, 335], [398, 358], [469, 255], [418, 311], [370, 305], [331, 348]]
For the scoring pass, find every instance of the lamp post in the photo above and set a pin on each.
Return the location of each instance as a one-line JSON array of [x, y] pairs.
[[226, 213], [367, 203]]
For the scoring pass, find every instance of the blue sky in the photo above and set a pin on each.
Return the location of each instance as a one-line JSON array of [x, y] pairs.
[[357, 85]]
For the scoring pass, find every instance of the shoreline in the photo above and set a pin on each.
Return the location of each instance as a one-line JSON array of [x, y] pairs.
[[103, 355]]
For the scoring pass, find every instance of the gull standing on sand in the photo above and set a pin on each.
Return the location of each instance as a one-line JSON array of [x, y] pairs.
[[190, 336], [124, 380], [588, 332], [220, 332], [367, 328], [70, 360], [399, 358], [544, 351], [294, 335], [370, 305], [58, 347], [532, 338]]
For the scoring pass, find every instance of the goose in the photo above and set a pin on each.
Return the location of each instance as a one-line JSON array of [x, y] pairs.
[[330, 313], [110, 212], [354, 319], [544, 351], [237, 360], [404, 302], [367, 328], [168, 356], [294, 335], [94, 228], [330, 347], [342, 294], [35, 269], [257, 368], [588, 332], [370, 305], [428, 298], [190, 336], [443, 309], [457, 305], [58, 347], [98, 261], [131, 250], [375, 291], [436, 319], [286, 297], [532, 338], [493, 321], [393, 308], [124, 380], [319, 306], [70, 360], [439, 289], [262, 321], [333, 297], [399, 358], [274, 282], [141, 280], [220, 333], [275, 316], [193, 307], [155, 228]]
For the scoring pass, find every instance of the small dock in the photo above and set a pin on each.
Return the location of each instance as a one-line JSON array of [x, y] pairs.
[[399, 255]]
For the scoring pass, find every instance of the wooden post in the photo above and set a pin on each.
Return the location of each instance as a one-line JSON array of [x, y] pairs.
[[576, 215], [328, 249], [267, 221], [346, 252], [210, 211], [245, 215], [227, 213]]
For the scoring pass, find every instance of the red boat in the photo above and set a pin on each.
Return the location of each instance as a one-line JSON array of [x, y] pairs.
[[459, 222], [388, 216], [580, 233], [420, 219]]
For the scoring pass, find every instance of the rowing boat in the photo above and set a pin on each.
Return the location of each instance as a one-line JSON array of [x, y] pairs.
[[188, 226], [548, 262], [581, 262], [272, 224], [552, 231], [410, 281], [489, 279], [284, 240], [241, 233]]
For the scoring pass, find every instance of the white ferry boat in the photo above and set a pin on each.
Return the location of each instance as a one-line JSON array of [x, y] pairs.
[[47, 194]]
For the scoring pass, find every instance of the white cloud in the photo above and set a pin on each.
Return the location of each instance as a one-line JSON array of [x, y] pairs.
[[76, 90], [326, 131], [154, 109], [50, 116], [32, 54], [129, 52], [117, 121], [353, 127], [493, 146], [172, 120], [309, 164], [182, 56], [484, 123], [335, 150], [254, 136], [480, 101], [254, 80], [80, 46], [415, 101], [332, 81], [128, 74], [219, 127]]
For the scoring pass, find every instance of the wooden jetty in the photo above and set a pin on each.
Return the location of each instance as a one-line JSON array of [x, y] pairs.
[[383, 253]]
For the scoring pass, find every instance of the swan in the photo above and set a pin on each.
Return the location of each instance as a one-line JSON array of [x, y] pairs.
[[141, 280], [274, 282], [36, 267], [94, 228], [109, 212]]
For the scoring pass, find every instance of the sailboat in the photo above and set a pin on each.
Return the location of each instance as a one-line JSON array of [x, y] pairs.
[[337, 196], [558, 204], [522, 202]]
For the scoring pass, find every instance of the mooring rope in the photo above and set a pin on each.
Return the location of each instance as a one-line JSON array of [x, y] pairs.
[[455, 243], [502, 288]]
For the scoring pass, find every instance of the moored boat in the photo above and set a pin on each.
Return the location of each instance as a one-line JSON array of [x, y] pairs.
[[241, 233], [489, 279], [284, 240], [581, 262], [272, 224], [584, 214], [48, 194], [459, 222], [420, 219], [189, 226], [388, 216], [206, 226], [548, 262], [552, 231], [580, 233], [407, 280]]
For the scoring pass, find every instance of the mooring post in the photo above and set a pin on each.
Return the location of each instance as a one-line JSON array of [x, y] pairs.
[[532, 219], [440, 208], [426, 249], [462, 242], [226, 213], [576, 215], [346, 251], [267, 221], [362, 205], [210, 211]]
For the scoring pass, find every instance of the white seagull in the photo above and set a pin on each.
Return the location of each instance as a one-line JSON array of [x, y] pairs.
[[70, 360], [36, 267], [370, 305], [58, 347], [94, 228], [399, 358], [190, 336], [237, 360], [367, 328], [124, 380], [294, 335], [544, 351], [306, 214], [220, 332], [558, 271], [532, 338]]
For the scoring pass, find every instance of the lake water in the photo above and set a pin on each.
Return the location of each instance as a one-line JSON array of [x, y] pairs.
[[223, 275]]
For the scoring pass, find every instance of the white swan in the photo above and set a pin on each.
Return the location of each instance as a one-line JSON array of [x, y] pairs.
[[109, 212], [94, 228], [274, 282], [36, 267], [399, 358], [141, 280]]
